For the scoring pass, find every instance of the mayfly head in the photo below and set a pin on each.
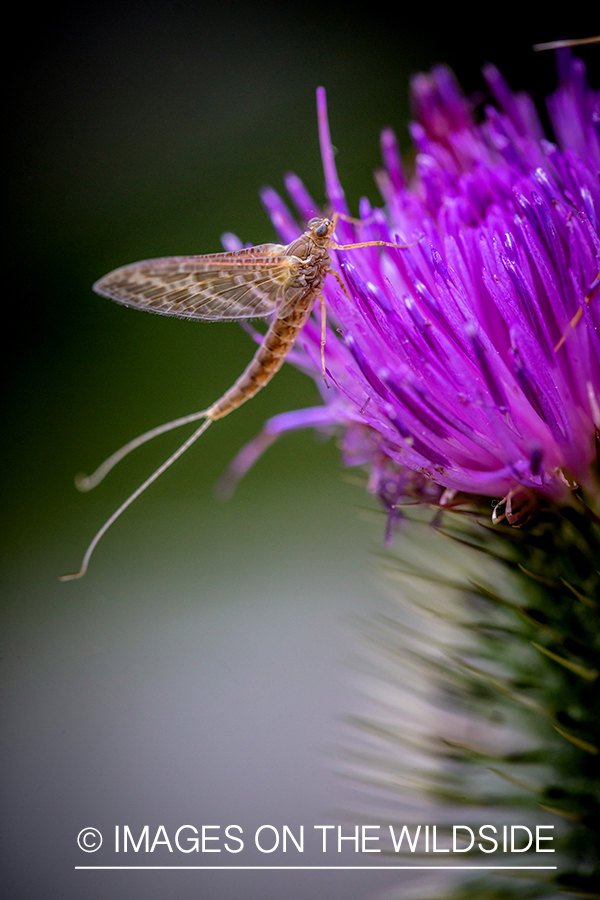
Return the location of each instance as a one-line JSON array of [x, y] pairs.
[[321, 228]]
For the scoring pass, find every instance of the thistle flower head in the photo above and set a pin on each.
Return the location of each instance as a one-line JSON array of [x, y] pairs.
[[469, 361], [466, 364]]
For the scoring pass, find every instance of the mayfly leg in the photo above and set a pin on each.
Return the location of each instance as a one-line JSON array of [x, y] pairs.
[[579, 314], [333, 246], [324, 331], [336, 275]]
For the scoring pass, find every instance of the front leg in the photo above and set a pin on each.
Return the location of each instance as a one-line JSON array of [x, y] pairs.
[[323, 331], [338, 277]]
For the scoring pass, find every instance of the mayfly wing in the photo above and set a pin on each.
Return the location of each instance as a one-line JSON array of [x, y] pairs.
[[215, 287]]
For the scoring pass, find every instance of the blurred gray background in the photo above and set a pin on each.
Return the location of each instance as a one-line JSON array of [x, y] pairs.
[[200, 672]]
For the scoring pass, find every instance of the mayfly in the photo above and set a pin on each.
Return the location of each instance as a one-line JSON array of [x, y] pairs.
[[269, 280]]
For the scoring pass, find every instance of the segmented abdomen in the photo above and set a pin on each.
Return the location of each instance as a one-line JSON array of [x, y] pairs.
[[267, 360]]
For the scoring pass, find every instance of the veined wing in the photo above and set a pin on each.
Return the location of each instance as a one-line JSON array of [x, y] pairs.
[[215, 287]]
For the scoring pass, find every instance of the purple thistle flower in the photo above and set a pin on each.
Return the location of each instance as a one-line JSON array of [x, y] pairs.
[[467, 363]]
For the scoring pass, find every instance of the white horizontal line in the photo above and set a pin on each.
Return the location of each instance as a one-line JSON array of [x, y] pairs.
[[320, 868]]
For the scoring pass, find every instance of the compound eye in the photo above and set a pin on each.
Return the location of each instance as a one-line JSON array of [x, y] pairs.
[[312, 222], [321, 230]]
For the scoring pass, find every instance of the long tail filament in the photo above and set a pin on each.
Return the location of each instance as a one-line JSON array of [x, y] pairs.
[[112, 460]]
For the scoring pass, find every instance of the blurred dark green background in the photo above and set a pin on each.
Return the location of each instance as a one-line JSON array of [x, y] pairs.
[[198, 671]]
